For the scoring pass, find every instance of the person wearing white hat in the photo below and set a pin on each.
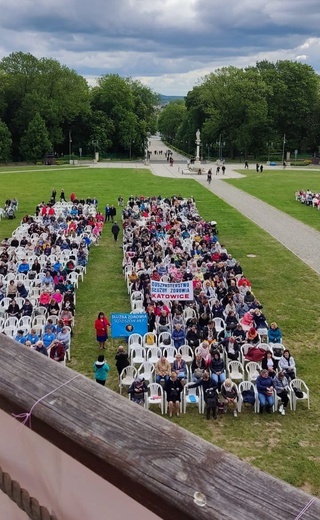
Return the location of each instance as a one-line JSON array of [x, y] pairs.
[[137, 390]]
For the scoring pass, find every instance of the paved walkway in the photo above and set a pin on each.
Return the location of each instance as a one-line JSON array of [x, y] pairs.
[[300, 239]]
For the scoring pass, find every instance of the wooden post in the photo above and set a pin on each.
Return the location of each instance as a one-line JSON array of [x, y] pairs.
[[164, 467]]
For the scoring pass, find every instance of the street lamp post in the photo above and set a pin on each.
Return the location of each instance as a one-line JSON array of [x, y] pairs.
[[131, 143], [269, 145], [283, 146], [220, 144], [70, 146]]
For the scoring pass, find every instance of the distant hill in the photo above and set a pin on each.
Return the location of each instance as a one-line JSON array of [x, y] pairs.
[[164, 100]]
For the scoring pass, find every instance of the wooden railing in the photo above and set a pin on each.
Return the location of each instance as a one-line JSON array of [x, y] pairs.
[[162, 466]]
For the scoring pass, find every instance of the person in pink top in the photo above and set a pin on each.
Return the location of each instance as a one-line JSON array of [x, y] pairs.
[[57, 296], [247, 319]]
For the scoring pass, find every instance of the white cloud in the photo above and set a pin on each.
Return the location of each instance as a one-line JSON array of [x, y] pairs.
[[169, 44]]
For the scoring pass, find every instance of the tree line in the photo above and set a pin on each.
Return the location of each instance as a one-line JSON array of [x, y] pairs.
[[254, 111], [45, 107]]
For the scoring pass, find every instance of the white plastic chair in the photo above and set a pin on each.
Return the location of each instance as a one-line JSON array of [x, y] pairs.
[[164, 340], [276, 348], [170, 353], [150, 340], [192, 396], [189, 313], [40, 311], [253, 370], [74, 278], [147, 370], [54, 318], [243, 352], [134, 340], [39, 320], [278, 400], [136, 296], [236, 371], [154, 396], [11, 332], [5, 302], [153, 354], [300, 385], [137, 306], [138, 355], [11, 322], [19, 301], [186, 353], [247, 385], [127, 376], [220, 324], [38, 329]]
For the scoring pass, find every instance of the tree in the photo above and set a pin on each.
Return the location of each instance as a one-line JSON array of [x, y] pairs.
[[5, 143], [35, 142], [41, 86], [171, 118], [292, 99]]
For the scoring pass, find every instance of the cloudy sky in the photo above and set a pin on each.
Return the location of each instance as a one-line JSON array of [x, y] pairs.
[[167, 44]]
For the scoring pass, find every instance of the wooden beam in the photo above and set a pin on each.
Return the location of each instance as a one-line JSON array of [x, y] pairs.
[[164, 467]]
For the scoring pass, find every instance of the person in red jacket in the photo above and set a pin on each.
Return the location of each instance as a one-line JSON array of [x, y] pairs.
[[101, 325], [57, 351]]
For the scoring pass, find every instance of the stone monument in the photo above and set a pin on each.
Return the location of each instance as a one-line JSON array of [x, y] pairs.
[[197, 163]]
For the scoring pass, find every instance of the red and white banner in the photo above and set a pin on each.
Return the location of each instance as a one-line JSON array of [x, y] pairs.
[[171, 291]]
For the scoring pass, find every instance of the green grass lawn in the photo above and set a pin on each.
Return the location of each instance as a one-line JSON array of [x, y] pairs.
[[278, 187], [287, 447]]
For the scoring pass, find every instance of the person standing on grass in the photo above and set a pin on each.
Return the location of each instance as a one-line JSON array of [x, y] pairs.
[[113, 212], [62, 196], [121, 358], [101, 325], [115, 230], [101, 370]]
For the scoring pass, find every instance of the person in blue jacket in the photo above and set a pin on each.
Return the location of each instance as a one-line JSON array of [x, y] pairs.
[[265, 387], [101, 370], [274, 333]]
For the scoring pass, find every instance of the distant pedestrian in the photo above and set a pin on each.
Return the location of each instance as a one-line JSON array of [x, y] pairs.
[[218, 170], [223, 169], [53, 195], [246, 165], [257, 168], [107, 213], [261, 168], [209, 176], [62, 196], [199, 171], [284, 164], [115, 230], [113, 212]]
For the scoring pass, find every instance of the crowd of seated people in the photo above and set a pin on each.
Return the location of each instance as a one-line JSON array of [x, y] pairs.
[[10, 208], [167, 240], [40, 266], [309, 198]]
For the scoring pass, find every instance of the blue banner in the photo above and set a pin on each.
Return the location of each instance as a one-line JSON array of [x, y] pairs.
[[122, 325]]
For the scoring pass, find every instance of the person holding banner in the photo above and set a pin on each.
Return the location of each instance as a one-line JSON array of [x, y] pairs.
[[101, 325]]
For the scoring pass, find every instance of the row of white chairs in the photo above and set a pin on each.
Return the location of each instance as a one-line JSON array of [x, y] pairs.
[[156, 394]]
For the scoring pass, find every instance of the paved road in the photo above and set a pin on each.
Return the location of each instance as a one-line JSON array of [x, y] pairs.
[[300, 239]]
